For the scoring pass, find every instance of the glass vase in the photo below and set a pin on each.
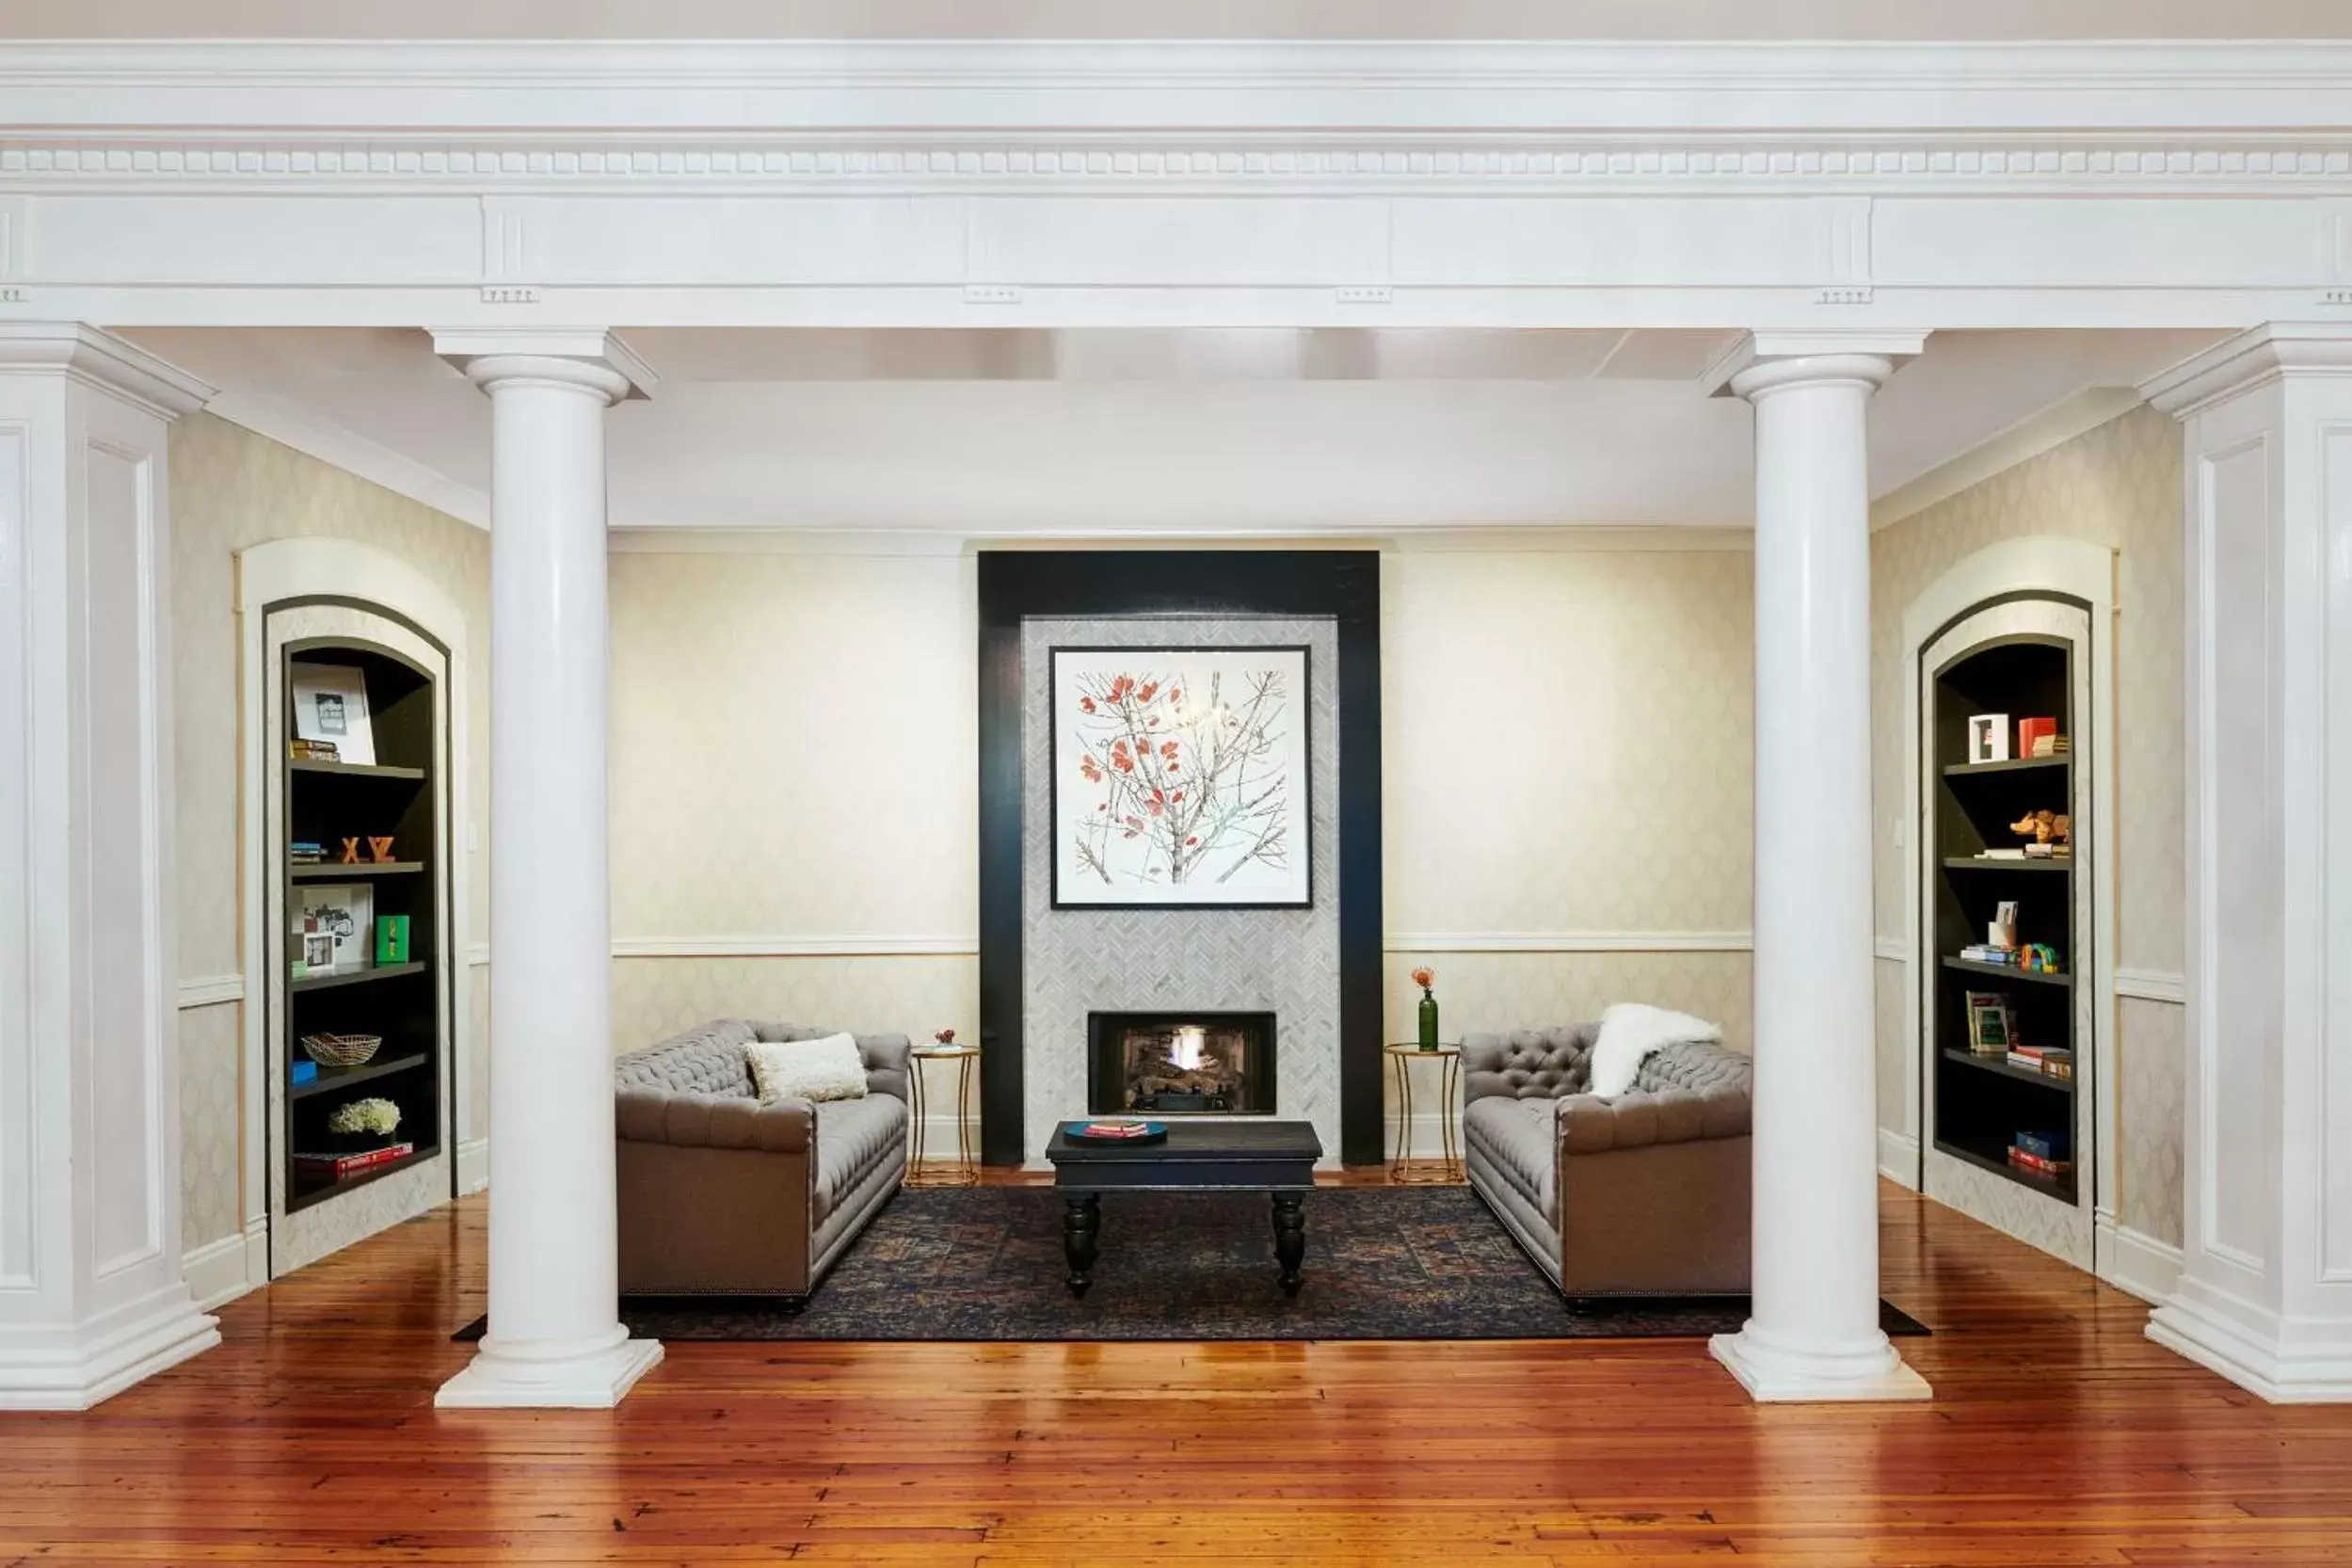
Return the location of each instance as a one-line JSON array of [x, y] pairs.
[[1428, 1022]]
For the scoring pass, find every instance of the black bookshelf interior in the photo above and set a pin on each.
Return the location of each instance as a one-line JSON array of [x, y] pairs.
[[327, 802], [1983, 1102]]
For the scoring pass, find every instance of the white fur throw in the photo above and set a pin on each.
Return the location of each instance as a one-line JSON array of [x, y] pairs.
[[829, 1068], [1630, 1031]]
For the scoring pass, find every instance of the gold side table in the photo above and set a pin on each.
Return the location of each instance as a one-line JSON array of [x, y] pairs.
[[966, 1171], [1448, 1058]]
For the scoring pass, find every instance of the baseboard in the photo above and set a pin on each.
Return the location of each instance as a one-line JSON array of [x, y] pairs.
[[2135, 1261], [2308, 1373], [75, 1367], [1898, 1157], [223, 1270], [473, 1165]]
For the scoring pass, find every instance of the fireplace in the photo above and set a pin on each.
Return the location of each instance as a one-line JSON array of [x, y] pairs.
[[1180, 1064]]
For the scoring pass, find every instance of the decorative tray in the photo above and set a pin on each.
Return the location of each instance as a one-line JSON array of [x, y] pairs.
[[1118, 1129]]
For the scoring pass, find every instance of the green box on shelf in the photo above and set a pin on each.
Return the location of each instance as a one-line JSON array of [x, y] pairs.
[[391, 938]]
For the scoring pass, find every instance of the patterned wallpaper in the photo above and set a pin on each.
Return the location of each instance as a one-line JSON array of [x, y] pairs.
[[231, 488], [2118, 484]]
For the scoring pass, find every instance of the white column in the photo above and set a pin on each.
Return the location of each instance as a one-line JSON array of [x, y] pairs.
[[555, 1337], [2264, 1296], [1813, 1331], [91, 1297]]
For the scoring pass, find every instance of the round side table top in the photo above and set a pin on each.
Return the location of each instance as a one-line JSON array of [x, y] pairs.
[[943, 1052], [1413, 1047]]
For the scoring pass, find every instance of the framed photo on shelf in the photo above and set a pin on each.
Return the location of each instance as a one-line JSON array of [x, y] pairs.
[[336, 922], [330, 708], [1179, 777], [1992, 1030], [1988, 737]]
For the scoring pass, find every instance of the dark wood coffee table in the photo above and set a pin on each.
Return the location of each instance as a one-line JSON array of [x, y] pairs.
[[1276, 1157]]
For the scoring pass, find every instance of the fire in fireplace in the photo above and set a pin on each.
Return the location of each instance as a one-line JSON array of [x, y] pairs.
[[1180, 1064]]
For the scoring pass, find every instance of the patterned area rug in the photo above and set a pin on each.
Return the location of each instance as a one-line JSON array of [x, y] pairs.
[[984, 1263]]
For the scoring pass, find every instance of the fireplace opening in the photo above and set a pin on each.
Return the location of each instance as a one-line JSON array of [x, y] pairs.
[[1180, 1064]]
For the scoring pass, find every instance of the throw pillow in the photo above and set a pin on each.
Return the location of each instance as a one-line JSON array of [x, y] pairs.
[[829, 1068], [1630, 1031]]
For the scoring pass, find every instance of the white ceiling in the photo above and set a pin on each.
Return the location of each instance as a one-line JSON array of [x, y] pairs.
[[1661, 20], [1088, 433]]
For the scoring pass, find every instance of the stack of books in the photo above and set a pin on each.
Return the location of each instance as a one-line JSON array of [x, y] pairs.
[[302, 852], [314, 751], [2050, 1061], [2039, 738], [1985, 953], [2047, 1154], [335, 1167]]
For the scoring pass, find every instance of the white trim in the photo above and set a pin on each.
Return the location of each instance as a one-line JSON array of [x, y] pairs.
[[478, 954], [2251, 1358], [1898, 1157], [307, 432], [2136, 1262], [1094, 86], [795, 947], [221, 1271], [2083, 571], [1417, 539], [2153, 985], [473, 1165], [2030, 438], [1890, 949], [210, 990], [1569, 941]]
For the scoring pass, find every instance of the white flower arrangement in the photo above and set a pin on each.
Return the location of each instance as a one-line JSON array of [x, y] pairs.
[[372, 1115]]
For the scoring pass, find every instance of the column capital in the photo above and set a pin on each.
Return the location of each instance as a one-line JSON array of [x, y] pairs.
[[2256, 355], [1766, 361], [593, 357], [102, 360]]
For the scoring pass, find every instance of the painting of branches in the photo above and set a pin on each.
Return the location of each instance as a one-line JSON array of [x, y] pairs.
[[1180, 777]]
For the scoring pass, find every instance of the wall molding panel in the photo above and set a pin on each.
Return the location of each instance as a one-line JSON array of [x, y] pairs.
[[2151, 986], [210, 990]]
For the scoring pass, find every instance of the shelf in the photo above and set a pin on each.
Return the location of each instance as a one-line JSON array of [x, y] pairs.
[[2059, 1187], [330, 1079], [357, 770], [335, 870], [2015, 764], [2007, 972], [1994, 1064], [354, 977], [301, 1194], [1971, 863]]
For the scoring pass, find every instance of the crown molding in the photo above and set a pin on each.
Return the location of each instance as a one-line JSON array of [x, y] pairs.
[[748, 85], [2051, 428], [290, 424], [2255, 356], [101, 360]]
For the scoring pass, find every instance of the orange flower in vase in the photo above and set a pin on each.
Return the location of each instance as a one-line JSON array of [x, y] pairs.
[[1426, 977]]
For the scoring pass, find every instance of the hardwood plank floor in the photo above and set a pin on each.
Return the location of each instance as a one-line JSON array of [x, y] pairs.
[[2058, 1435]]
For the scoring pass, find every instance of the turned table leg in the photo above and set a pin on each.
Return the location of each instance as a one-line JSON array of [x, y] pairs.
[[1081, 1221], [1289, 1237]]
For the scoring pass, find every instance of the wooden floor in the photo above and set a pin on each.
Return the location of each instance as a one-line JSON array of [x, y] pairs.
[[2057, 1435]]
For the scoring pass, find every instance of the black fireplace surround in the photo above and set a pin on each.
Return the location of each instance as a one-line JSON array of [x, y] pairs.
[[1180, 1064]]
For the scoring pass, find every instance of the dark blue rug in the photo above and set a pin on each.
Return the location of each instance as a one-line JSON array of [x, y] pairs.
[[984, 1263]]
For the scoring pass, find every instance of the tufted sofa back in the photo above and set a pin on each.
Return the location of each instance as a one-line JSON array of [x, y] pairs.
[[1701, 1070], [1529, 1064], [709, 1060]]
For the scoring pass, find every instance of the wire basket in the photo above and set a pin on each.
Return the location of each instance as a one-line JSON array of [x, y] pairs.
[[341, 1050]]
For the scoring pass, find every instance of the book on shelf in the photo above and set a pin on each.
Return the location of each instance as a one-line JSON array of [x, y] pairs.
[[2001, 855], [341, 1166], [1985, 953], [2033, 733], [2052, 1062], [314, 751], [2037, 1164], [2043, 1146]]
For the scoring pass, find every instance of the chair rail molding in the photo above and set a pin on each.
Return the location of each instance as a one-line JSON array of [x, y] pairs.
[[483, 185]]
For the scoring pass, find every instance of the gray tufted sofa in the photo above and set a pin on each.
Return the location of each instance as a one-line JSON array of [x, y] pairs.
[[722, 1195], [1645, 1194]]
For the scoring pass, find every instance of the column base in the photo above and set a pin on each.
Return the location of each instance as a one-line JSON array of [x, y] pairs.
[[539, 1374], [2316, 1372], [75, 1367], [1774, 1372]]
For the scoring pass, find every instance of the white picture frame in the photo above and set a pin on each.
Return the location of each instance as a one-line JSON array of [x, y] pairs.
[[331, 705], [345, 914], [1181, 778], [1987, 738]]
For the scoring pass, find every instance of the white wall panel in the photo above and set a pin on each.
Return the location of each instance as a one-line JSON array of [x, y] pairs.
[[747, 239], [1176, 240], [1629, 240], [2077, 240], [228, 237]]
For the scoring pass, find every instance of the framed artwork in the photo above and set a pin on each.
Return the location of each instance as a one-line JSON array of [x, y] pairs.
[[335, 923], [330, 708], [1988, 737], [1180, 778]]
